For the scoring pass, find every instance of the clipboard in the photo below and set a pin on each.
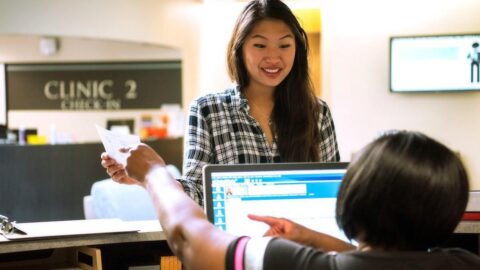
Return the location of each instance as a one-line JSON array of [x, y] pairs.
[[53, 229]]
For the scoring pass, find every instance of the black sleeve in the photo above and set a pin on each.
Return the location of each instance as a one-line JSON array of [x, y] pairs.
[[283, 254]]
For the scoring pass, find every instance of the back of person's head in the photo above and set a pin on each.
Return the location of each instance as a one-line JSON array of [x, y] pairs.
[[254, 12], [404, 191]]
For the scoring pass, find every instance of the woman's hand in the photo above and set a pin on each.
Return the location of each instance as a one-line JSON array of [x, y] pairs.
[[282, 227], [141, 160], [292, 231], [116, 170]]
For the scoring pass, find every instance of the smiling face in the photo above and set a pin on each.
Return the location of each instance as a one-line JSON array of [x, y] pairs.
[[268, 54]]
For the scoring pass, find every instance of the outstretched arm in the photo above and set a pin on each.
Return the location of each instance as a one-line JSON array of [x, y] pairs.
[[190, 235], [290, 230]]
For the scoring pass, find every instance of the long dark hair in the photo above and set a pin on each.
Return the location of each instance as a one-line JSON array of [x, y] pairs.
[[404, 191], [296, 111]]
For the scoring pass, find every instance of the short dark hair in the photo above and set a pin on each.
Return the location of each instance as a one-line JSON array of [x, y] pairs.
[[296, 112], [404, 191]]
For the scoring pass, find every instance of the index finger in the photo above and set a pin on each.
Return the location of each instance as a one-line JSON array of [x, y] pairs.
[[130, 147], [266, 219], [124, 149]]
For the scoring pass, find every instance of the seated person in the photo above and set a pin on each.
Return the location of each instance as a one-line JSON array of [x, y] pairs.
[[401, 198]]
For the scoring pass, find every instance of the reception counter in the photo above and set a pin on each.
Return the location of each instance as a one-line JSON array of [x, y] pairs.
[[146, 246], [48, 182]]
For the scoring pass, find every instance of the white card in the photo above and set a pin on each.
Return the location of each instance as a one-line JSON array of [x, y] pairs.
[[113, 141]]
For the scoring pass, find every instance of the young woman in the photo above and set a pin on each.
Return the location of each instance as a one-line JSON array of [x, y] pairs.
[[272, 115], [400, 199]]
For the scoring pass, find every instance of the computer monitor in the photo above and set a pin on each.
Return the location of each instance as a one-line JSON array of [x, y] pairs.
[[303, 192], [121, 125]]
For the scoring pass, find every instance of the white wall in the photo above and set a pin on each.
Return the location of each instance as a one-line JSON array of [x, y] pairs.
[[174, 23], [98, 31], [26, 48], [355, 54]]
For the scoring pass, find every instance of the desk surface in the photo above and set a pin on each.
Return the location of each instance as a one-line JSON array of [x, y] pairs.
[[149, 230], [468, 227]]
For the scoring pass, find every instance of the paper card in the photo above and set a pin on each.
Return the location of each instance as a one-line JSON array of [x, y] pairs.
[[113, 141]]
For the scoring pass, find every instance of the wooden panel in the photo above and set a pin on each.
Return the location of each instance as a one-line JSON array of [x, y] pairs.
[[88, 258], [314, 62], [170, 263]]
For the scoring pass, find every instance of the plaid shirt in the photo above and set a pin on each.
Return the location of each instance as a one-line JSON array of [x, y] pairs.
[[221, 131]]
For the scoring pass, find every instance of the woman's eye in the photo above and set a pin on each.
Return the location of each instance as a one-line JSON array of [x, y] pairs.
[[285, 46], [261, 46]]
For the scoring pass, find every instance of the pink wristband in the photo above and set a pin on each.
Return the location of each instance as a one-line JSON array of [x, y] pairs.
[[239, 252]]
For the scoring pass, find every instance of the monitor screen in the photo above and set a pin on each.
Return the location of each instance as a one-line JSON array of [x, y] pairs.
[[435, 63], [125, 126], [305, 195]]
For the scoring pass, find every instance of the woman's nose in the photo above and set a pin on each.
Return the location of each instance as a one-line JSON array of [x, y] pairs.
[[273, 55]]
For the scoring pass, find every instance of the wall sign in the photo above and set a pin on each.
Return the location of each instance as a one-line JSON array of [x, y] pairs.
[[93, 86]]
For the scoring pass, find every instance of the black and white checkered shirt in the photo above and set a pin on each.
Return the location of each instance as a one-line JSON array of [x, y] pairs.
[[221, 131]]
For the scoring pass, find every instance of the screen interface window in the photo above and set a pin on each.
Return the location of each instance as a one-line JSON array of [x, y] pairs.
[[437, 63], [306, 197]]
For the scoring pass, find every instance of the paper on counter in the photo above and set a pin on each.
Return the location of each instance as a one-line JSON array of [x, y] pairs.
[[113, 141], [52, 229]]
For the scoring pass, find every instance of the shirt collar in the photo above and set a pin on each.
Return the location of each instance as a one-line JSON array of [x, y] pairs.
[[239, 99]]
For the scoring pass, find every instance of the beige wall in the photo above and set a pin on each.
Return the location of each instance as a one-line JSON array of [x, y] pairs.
[[174, 23], [354, 53]]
